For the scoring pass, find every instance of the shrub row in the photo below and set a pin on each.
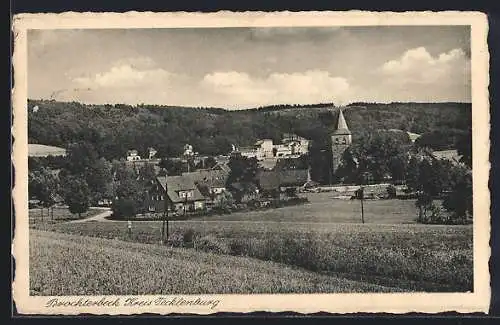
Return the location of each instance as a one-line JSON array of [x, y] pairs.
[[242, 207], [420, 268]]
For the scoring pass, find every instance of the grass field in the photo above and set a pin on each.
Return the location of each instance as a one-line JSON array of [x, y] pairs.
[[74, 265], [325, 237], [411, 257], [323, 207]]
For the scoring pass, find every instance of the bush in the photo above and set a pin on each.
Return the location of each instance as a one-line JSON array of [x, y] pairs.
[[211, 244], [124, 208], [391, 192], [238, 247], [182, 238], [434, 214]]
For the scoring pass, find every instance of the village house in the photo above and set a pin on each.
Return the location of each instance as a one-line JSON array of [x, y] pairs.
[[213, 180], [133, 155], [211, 183], [280, 182], [451, 155], [291, 146], [179, 193], [152, 153]]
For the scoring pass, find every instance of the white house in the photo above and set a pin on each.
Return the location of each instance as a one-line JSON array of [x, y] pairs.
[[291, 146], [132, 155], [151, 153]]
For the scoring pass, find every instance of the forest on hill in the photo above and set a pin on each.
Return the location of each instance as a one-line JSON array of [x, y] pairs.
[[114, 129]]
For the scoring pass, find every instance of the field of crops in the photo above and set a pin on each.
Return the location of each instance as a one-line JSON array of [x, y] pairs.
[[325, 237], [63, 264], [411, 257]]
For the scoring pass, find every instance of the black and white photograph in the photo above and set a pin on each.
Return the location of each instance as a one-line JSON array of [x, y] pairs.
[[186, 163]]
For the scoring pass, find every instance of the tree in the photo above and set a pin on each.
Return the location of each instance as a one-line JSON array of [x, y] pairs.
[[348, 169], [459, 200], [43, 185], [377, 153], [99, 177], [391, 192], [243, 170], [147, 173], [429, 178], [464, 148], [242, 175], [130, 191], [81, 155], [173, 167], [206, 163], [320, 154], [124, 208], [412, 174], [76, 194]]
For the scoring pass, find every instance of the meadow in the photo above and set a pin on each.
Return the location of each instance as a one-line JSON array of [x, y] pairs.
[[325, 208], [75, 265], [409, 257], [325, 236]]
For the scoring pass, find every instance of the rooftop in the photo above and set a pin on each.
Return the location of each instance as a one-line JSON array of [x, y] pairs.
[[174, 184], [269, 180], [342, 125]]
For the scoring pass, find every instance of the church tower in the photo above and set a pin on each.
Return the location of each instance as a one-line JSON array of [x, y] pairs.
[[341, 140]]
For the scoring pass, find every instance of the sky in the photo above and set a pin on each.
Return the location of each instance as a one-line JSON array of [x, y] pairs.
[[238, 68]]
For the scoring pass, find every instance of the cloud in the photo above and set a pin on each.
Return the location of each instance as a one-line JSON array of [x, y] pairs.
[[288, 88], [133, 72], [419, 66]]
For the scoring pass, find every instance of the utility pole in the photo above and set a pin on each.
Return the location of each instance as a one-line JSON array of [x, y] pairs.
[[361, 196], [165, 219]]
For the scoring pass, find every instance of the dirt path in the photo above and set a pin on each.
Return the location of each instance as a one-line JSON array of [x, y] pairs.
[[106, 212]]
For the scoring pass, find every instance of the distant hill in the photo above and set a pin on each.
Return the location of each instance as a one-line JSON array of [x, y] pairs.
[[114, 129]]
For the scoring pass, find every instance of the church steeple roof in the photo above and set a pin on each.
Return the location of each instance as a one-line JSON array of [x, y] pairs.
[[342, 125]]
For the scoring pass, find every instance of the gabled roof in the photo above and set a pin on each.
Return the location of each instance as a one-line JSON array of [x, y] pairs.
[[268, 163], [287, 137], [269, 180], [342, 125], [249, 187], [212, 178], [451, 155], [173, 184]]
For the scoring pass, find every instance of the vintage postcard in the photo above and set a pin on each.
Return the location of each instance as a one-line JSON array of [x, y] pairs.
[[234, 162]]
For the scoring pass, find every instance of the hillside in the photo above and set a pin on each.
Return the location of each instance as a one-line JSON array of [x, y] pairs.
[[75, 265], [114, 129], [40, 150]]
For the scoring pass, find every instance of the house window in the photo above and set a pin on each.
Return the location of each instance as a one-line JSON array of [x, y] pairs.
[[152, 198], [161, 197]]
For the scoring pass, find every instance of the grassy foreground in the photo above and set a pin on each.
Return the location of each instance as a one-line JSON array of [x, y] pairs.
[[62, 264], [410, 257]]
